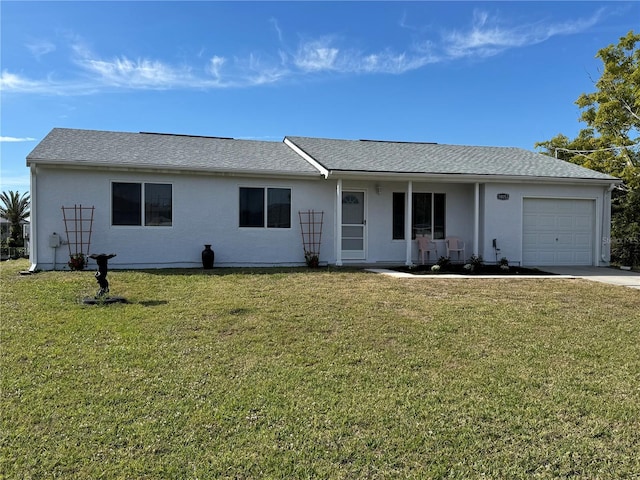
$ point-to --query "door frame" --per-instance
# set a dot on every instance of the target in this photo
(338, 221)
(354, 254)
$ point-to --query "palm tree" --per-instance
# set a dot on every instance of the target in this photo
(15, 209)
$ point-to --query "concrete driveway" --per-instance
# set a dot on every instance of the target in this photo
(613, 276)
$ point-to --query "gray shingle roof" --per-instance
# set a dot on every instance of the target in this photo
(429, 158)
(192, 153)
(117, 149)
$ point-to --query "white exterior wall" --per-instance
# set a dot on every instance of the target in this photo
(503, 219)
(205, 210)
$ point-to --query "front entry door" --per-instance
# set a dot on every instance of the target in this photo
(353, 225)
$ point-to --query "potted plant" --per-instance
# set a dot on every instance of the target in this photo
(77, 261)
(312, 259)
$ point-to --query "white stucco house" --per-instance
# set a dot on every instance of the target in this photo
(155, 199)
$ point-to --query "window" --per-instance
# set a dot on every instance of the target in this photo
(428, 215)
(128, 199)
(157, 204)
(253, 213)
(398, 215)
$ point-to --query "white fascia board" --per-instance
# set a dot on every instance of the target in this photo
(465, 178)
(323, 171)
(173, 170)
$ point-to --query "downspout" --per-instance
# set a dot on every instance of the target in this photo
(339, 223)
(605, 253)
(408, 221)
(33, 230)
(476, 218)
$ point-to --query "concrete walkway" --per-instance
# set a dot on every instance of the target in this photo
(612, 276)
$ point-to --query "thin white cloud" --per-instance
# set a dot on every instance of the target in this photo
(215, 65)
(316, 55)
(276, 27)
(11, 82)
(17, 139)
(18, 183)
(127, 73)
(486, 36)
(40, 48)
(143, 73)
(324, 55)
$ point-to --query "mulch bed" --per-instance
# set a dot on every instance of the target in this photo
(460, 270)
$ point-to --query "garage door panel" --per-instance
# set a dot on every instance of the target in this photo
(583, 241)
(546, 222)
(565, 223)
(545, 258)
(582, 258)
(558, 231)
(583, 223)
(560, 208)
(565, 240)
(564, 258)
(546, 240)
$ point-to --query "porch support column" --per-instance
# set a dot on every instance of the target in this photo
(33, 232)
(408, 209)
(476, 218)
(339, 223)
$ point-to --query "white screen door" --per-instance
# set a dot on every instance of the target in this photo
(353, 225)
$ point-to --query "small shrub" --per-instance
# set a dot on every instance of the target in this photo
(476, 260)
(444, 263)
(77, 261)
(474, 263)
(312, 259)
(504, 264)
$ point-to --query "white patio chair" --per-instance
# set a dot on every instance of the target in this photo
(426, 245)
(455, 244)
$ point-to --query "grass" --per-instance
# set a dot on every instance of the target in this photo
(317, 374)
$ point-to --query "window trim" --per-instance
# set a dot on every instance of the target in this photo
(143, 213)
(265, 206)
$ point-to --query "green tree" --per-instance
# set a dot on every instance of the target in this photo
(15, 209)
(610, 143)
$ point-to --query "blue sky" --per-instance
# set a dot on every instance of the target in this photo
(473, 73)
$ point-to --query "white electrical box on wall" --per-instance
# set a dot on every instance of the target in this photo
(54, 240)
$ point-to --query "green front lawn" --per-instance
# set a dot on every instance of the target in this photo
(317, 374)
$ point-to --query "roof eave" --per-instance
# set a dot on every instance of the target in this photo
(469, 178)
(170, 169)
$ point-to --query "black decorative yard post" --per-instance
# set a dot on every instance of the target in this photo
(101, 275)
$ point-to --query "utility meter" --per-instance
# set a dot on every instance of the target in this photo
(54, 240)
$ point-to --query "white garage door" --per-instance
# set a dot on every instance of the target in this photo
(557, 231)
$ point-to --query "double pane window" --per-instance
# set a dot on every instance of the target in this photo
(265, 207)
(131, 202)
(427, 211)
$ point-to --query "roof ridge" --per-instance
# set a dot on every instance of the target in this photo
(187, 135)
(397, 141)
